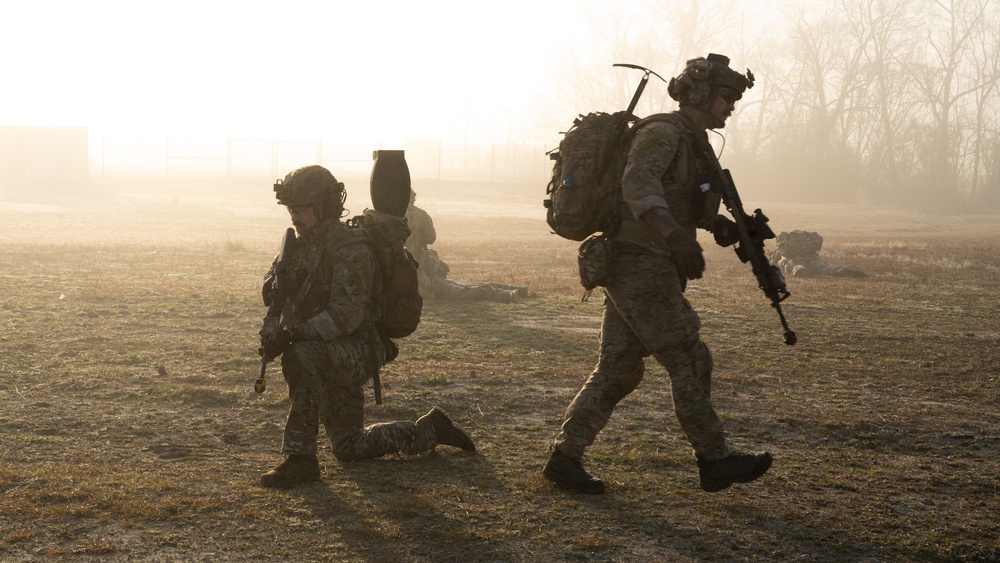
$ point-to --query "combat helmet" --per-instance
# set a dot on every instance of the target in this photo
(702, 77)
(311, 185)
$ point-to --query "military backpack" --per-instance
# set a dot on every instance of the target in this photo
(584, 196)
(396, 292)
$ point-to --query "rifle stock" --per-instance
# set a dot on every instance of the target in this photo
(277, 300)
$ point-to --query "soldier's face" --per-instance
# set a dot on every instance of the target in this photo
(722, 107)
(303, 218)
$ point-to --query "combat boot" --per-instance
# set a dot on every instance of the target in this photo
(294, 470)
(568, 472)
(737, 468)
(447, 432)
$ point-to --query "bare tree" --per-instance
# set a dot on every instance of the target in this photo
(947, 80)
(885, 98)
(685, 29)
(668, 33)
(815, 77)
(884, 30)
(986, 62)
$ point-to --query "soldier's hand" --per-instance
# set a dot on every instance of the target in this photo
(275, 345)
(270, 328)
(687, 254)
(725, 231)
(303, 331)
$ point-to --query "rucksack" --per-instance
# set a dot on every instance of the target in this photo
(585, 193)
(396, 293)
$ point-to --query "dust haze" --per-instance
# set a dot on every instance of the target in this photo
(139, 143)
(131, 432)
(880, 102)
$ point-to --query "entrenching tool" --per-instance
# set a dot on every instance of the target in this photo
(641, 87)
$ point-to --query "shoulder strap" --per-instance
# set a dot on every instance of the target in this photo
(700, 142)
(655, 118)
(352, 235)
(339, 240)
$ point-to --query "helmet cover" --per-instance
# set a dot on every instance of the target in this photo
(702, 77)
(309, 185)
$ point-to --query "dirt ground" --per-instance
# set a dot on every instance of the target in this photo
(129, 429)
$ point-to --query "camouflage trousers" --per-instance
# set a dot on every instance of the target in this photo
(645, 313)
(443, 288)
(811, 266)
(326, 384)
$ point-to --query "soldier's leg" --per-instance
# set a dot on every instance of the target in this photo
(342, 405)
(619, 371)
(302, 369)
(516, 290)
(301, 366)
(652, 304)
(351, 441)
(452, 290)
(689, 365)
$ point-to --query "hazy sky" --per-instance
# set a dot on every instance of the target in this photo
(300, 70)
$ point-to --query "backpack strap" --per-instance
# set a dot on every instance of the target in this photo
(655, 118)
(351, 236)
(339, 240)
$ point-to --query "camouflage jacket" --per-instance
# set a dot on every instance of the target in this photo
(422, 232)
(422, 235)
(664, 170)
(331, 289)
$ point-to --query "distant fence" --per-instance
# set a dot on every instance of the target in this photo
(253, 158)
(42, 155)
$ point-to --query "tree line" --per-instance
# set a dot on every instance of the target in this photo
(856, 101)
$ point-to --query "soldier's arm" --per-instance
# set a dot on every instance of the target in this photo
(351, 282)
(661, 221)
(650, 156)
(426, 226)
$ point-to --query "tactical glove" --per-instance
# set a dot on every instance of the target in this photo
(273, 346)
(304, 331)
(687, 254)
(725, 231)
(270, 327)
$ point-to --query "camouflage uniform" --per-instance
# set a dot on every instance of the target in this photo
(433, 272)
(798, 256)
(329, 336)
(645, 312)
(667, 194)
(326, 376)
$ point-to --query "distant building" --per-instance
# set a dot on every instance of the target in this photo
(34, 157)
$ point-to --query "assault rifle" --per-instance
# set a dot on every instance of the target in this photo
(278, 286)
(753, 231)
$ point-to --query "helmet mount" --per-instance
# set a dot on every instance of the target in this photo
(703, 77)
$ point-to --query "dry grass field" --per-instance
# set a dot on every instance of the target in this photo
(129, 429)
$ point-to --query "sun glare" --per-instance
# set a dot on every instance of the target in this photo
(310, 69)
